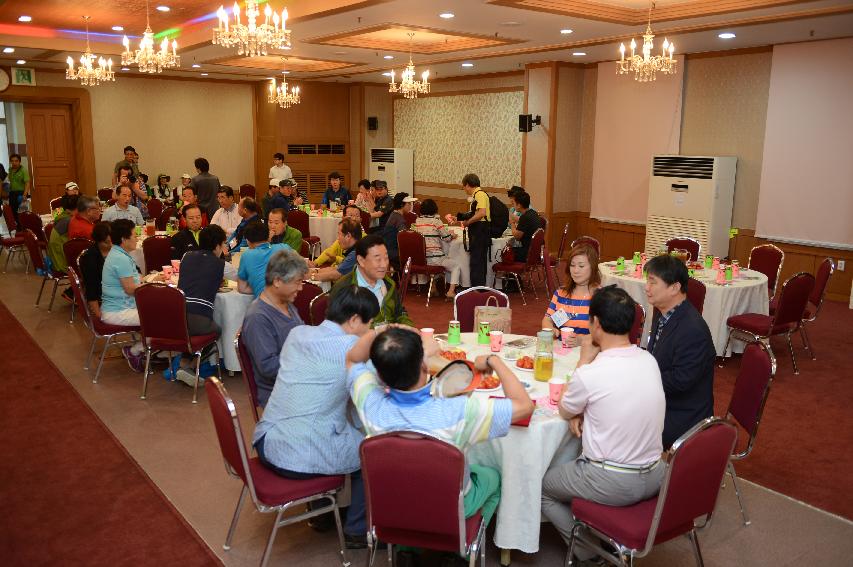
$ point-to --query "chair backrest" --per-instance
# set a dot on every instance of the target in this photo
(404, 281)
(48, 228)
(229, 432)
(465, 302)
(162, 313)
(697, 463)
(752, 386)
(163, 220)
(9, 217)
(31, 221)
(550, 275)
(696, 294)
(411, 244)
(588, 240)
(537, 241)
(410, 218)
(33, 248)
(693, 247)
(305, 249)
(155, 209)
(793, 299)
(247, 190)
(105, 194)
(74, 247)
(767, 259)
(55, 203)
(543, 221)
(317, 308)
(416, 208)
(79, 297)
(636, 334)
(299, 220)
(303, 299)
(157, 251)
(365, 221)
(398, 469)
(824, 272)
(176, 193)
(248, 372)
(563, 240)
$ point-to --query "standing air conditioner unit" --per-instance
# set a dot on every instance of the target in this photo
(691, 196)
(395, 166)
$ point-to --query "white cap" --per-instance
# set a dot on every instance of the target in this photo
(409, 199)
(71, 185)
(186, 176)
(275, 181)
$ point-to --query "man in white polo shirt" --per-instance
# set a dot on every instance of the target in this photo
(615, 399)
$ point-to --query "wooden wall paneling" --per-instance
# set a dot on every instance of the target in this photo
(266, 142)
(555, 230)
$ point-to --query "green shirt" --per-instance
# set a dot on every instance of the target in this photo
(18, 179)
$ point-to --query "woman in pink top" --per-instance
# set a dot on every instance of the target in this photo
(435, 233)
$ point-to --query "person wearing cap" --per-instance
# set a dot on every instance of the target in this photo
(402, 204)
(71, 188)
(290, 193)
(274, 199)
(279, 170)
(336, 192)
(383, 205)
(161, 189)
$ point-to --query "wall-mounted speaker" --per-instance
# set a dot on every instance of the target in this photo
(372, 123)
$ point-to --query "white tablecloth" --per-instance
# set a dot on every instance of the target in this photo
(523, 456)
(456, 251)
(747, 294)
(229, 309)
(324, 227)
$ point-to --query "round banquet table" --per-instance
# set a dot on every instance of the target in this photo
(524, 455)
(747, 294)
(456, 251)
(324, 227)
(229, 309)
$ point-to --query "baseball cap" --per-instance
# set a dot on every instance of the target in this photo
(379, 183)
(409, 199)
(287, 182)
(186, 176)
(71, 185)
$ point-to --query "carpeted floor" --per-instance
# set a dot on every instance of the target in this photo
(800, 448)
(70, 493)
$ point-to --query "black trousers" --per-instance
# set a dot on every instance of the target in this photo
(479, 242)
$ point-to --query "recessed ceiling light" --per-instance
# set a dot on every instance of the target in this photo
(386, 74)
(565, 31)
(467, 64)
(270, 78)
(163, 8)
(204, 74)
(727, 35)
(388, 57)
(125, 68)
(25, 18)
(21, 62)
(196, 66)
(340, 52)
(446, 15)
(118, 28)
(285, 72)
(8, 50)
(579, 53)
(287, 48)
(511, 24)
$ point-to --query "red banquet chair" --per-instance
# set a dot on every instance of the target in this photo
(248, 372)
(588, 240)
(816, 297)
(697, 463)
(317, 308)
(365, 221)
(270, 493)
(40, 266)
(299, 220)
(465, 302)
(404, 280)
(787, 319)
(55, 203)
(157, 251)
(556, 258)
(12, 244)
(247, 190)
(163, 220)
(636, 333)
(99, 329)
(155, 209)
(551, 281)
(412, 245)
(163, 320)
(30, 221)
(410, 218)
(304, 298)
(72, 250)
(746, 406)
(696, 294)
(105, 194)
(691, 245)
(767, 259)
(398, 470)
(519, 269)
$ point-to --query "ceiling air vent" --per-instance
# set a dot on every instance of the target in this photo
(684, 167)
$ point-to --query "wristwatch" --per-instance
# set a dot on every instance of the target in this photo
(489, 361)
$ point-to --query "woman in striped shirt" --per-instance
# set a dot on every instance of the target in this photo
(434, 232)
(572, 301)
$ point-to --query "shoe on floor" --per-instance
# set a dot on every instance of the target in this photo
(355, 541)
(323, 523)
(135, 361)
(188, 378)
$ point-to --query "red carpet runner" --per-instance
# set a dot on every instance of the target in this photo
(70, 493)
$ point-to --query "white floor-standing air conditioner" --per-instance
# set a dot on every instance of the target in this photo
(691, 196)
(395, 166)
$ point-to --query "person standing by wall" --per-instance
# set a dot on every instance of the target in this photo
(206, 187)
(19, 184)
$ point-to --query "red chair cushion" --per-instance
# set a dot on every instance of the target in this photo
(514, 267)
(273, 489)
(106, 329)
(629, 525)
(13, 241)
(197, 342)
(431, 541)
(751, 322)
(428, 270)
(312, 239)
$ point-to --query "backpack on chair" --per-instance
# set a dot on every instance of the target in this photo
(499, 214)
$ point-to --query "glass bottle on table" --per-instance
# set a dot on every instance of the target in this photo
(543, 362)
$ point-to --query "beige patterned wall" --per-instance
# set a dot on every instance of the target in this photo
(457, 134)
(725, 109)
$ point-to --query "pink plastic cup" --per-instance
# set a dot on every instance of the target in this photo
(176, 265)
(555, 388)
(168, 271)
(565, 335)
(721, 276)
(496, 340)
(427, 333)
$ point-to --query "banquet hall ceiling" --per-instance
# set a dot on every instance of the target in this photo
(358, 40)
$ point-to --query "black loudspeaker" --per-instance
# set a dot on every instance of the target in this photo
(372, 123)
(526, 122)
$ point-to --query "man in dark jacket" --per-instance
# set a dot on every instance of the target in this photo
(206, 186)
(681, 343)
(186, 239)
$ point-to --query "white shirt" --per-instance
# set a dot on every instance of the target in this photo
(621, 397)
(280, 172)
(228, 219)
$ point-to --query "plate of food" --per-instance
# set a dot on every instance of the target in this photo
(455, 354)
(489, 383)
(511, 354)
(525, 364)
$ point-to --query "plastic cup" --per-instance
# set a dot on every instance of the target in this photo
(427, 333)
(565, 335)
(169, 271)
(496, 341)
(176, 265)
(555, 388)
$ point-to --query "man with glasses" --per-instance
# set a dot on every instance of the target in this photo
(88, 213)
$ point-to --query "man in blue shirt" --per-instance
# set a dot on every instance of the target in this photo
(248, 210)
(336, 192)
(253, 262)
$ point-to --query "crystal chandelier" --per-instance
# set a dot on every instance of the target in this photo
(87, 73)
(409, 87)
(252, 38)
(150, 61)
(279, 95)
(645, 66)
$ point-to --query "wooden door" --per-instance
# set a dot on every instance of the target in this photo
(50, 149)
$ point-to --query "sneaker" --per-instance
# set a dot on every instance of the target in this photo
(135, 361)
(170, 374)
(188, 378)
